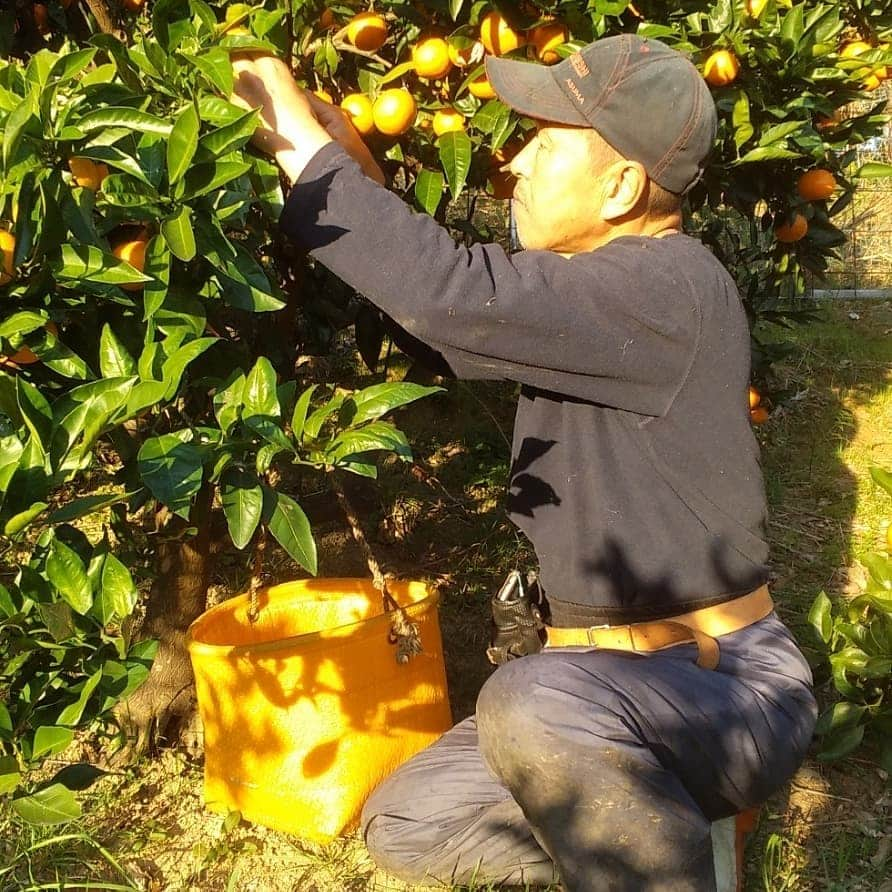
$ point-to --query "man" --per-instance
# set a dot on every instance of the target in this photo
(670, 695)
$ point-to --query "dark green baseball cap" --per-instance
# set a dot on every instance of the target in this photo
(645, 99)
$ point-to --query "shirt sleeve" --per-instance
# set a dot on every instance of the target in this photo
(610, 326)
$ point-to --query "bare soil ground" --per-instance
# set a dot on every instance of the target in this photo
(145, 827)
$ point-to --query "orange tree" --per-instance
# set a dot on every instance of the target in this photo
(151, 320)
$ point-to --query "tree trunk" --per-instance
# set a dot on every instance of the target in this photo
(164, 707)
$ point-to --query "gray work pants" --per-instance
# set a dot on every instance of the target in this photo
(599, 768)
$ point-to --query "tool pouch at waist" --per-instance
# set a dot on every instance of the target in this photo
(518, 629)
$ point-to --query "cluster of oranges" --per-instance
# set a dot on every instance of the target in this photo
(433, 57)
(758, 412)
(817, 184)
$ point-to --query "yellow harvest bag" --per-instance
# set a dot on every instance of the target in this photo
(306, 709)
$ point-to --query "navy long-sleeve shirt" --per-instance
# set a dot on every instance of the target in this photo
(635, 472)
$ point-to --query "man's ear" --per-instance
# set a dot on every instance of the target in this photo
(625, 183)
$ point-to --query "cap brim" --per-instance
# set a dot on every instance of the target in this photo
(532, 90)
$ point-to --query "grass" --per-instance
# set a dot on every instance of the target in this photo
(145, 827)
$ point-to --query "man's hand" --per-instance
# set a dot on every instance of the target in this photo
(295, 125)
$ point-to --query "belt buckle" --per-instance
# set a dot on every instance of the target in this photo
(591, 629)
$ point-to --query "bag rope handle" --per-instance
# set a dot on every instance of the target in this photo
(403, 632)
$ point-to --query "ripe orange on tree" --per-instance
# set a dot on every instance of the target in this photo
(498, 36)
(870, 78)
(816, 185)
(359, 107)
(447, 120)
(759, 415)
(546, 38)
(394, 111)
(25, 355)
(754, 397)
(324, 95)
(87, 173)
(792, 231)
(133, 5)
(132, 251)
(482, 88)
(7, 246)
(431, 58)
(721, 68)
(367, 31)
(41, 15)
(327, 19)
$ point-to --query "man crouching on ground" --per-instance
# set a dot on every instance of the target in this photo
(669, 694)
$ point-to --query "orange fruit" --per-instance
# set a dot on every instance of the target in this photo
(816, 185)
(25, 355)
(327, 19)
(324, 95)
(7, 246)
(133, 252)
(448, 119)
(546, 38)
(431, 58)
(359, 107)
(721, 68)
(498, 36)
(394, 111)
(367, 31)
(754, 397)
(759, 415)
(482, 88)
(41, 17)
(133, 5)
(463, 57)
(87, 173)
(792, 231)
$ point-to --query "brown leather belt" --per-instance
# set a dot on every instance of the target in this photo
(701, 627)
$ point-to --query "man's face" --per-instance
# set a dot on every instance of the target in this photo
(559, 179)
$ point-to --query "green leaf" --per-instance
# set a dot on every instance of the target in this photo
(245, 285)
(840, 744)
(130, 118)
(23, 519)
(242, 498)
(260, 397)
(377, 436)
(51, 739)
(66, 571)
(172, 470)
(873, 170)
(880, 568)
(36, 412)
(85, 263)
(10, 777)
(228, 402)
(841, 715)
(290, 526)
(372, 402)
(313, 424)
(177, 231)
(203, 178)
(767, 153)
(114, 360)
(429, 189)
(15, 125)
(73, 713)
(52, 805)
(792, 26)
(182, 143)
(820, 617)
(216, 66)
(21, 323)
(455, 150)
(174, 366)
(118, 594)
(158, 267)
(230, 136)
(298, 419)
(80, 776)
(882, 477)
(117, 158)
(86, 505)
